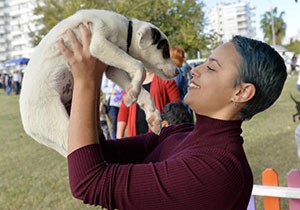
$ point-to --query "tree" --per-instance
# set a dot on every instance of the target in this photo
(181, 20)
(53, 11)
(279, 26)
(293, 46)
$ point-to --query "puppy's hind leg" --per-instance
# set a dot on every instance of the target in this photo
(47, 123)
(144, 100)
(153, 118)
(59, 125)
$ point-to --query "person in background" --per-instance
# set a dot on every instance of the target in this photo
(298, 82)
(297, 138)
(7, 83)
(294, 66)
(175, 113)
(17, 79)
(184, 72)
(184, 69)
(1, 80)
(133, 118)
(294, 61)
(103, 120)
(195, 167)
(112, 102)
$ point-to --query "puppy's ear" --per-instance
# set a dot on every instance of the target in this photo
(148, 36)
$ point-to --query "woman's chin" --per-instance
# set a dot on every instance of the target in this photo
(187, 99)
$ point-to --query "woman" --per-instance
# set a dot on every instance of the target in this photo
(133, 118)
(185, 167)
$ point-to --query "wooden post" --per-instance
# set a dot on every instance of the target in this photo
(293, 180)
(270, 178)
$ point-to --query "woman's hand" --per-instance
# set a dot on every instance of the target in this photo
(84, 67)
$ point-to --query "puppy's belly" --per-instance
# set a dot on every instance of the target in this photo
(65, 88)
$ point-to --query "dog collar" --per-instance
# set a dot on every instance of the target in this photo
(129, 35)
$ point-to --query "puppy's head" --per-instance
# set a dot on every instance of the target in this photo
(151, 46)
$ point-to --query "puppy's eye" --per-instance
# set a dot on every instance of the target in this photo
(155, 35)
(166, 53)
(164, 45)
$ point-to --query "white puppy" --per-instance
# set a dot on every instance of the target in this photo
(127, 46)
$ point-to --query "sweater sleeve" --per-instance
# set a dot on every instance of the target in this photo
(130, 149)
(90, 166)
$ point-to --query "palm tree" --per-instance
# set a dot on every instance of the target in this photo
(279, 26)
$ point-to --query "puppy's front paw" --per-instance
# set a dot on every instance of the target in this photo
(154, 122)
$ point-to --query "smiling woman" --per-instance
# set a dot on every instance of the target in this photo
(247, 95)
(215, 94)
(186, 166)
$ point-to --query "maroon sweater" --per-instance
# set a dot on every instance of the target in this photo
(185, 167)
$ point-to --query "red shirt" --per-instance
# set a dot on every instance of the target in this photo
(162, 92)
(201, 167)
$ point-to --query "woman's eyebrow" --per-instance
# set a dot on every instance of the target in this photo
(215, 60)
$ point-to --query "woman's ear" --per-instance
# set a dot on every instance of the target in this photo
(245, 93)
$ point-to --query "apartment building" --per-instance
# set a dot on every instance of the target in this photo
(229, 19)
(16, 22)
(3, 44)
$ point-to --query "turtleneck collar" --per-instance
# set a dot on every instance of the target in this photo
(205, 124)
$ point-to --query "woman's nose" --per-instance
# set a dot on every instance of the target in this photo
(196, 72)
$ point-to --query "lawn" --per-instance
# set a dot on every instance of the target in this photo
(32, 177)
(35, 177)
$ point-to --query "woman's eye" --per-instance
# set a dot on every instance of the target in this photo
(209, 68)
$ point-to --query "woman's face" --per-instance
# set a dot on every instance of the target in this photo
(212, 86)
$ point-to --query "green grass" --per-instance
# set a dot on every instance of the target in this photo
(32, 177)
(35, 177)
(270, 138)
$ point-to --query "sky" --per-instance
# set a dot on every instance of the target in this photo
(290, 7)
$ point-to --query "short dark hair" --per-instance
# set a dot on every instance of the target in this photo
(176, 113)
(263, 67)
